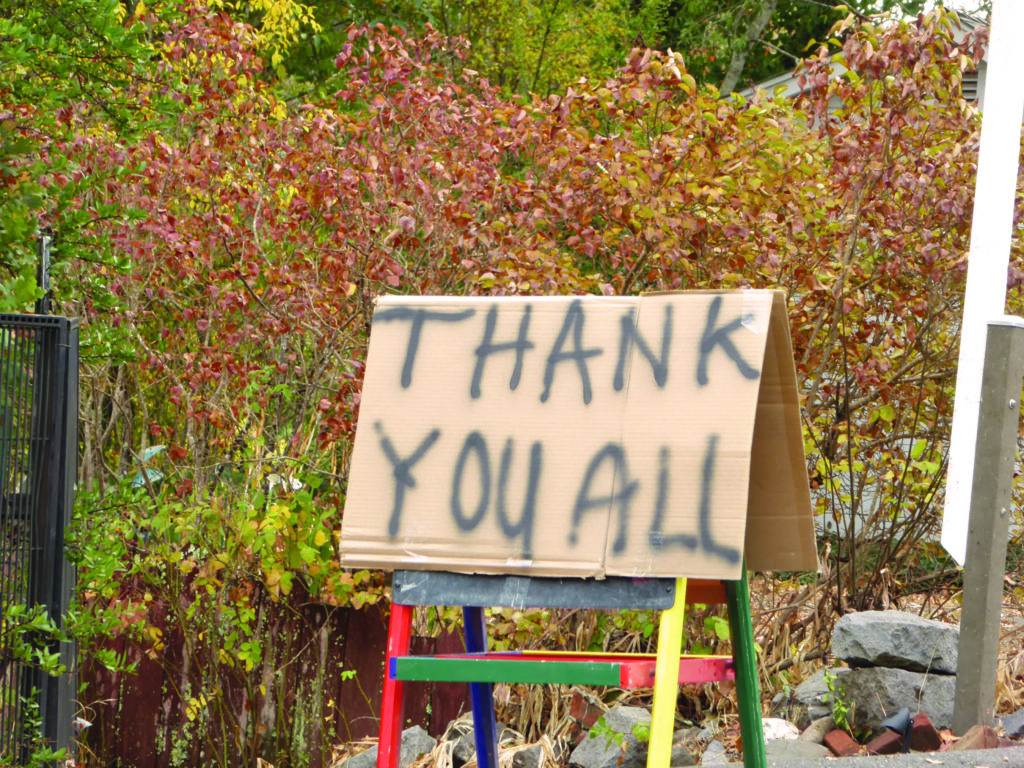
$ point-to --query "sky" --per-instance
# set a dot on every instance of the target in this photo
(959, 5)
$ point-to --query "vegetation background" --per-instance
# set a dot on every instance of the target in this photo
(230, 184)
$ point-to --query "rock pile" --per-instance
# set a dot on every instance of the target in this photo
(896, 660)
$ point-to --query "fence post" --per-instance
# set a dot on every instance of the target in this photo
(43, 271)
(984, 568)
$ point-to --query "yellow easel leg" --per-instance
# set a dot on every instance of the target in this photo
(666, 680)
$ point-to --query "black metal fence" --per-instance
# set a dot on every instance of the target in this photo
(38, 448)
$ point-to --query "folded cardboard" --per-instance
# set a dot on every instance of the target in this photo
(580, 436)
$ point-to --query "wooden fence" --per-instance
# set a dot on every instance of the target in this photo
(137, 720)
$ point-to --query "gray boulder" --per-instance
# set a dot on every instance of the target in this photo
(876, 693)
(415, 742)
(779, 705)
(617, 742)
(896, 639)
(627, 719)
(367, 759)
(603, 751)
(812, 699)
(531, 757)
(1014, 724)
(614, 744)
(778, 729)
(681, 756)
(465, 745)
(715, 754)
(687, 741)
(783, 752)
(816, 731)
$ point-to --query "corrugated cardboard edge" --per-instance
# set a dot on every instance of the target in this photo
(780, 525)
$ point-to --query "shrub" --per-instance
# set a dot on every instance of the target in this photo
(243, 243)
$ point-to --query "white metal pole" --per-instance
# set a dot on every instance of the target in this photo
(991, 229)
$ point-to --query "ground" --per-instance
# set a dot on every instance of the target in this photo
(989, 758)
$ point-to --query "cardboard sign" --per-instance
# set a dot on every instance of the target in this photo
(580, 436)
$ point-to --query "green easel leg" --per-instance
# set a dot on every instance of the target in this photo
(748, 692)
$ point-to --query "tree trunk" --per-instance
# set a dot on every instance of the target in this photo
(739, 57)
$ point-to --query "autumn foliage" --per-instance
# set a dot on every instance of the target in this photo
(245, 240)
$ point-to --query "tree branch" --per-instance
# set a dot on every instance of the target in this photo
(739, 56)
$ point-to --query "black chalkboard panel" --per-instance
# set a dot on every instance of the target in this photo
(613, 593)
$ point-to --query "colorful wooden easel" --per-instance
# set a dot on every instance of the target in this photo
(663, 672)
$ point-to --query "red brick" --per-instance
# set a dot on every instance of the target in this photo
(977, 737)
(841, 743)
(584, 711)
(923, 736)
(886, 743)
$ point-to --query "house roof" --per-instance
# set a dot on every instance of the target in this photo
(973, 85)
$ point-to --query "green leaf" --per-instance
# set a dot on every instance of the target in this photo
(717, 625)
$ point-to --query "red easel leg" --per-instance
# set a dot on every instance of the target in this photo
(399, 632)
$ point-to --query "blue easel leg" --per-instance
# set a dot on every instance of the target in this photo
(481, 695)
